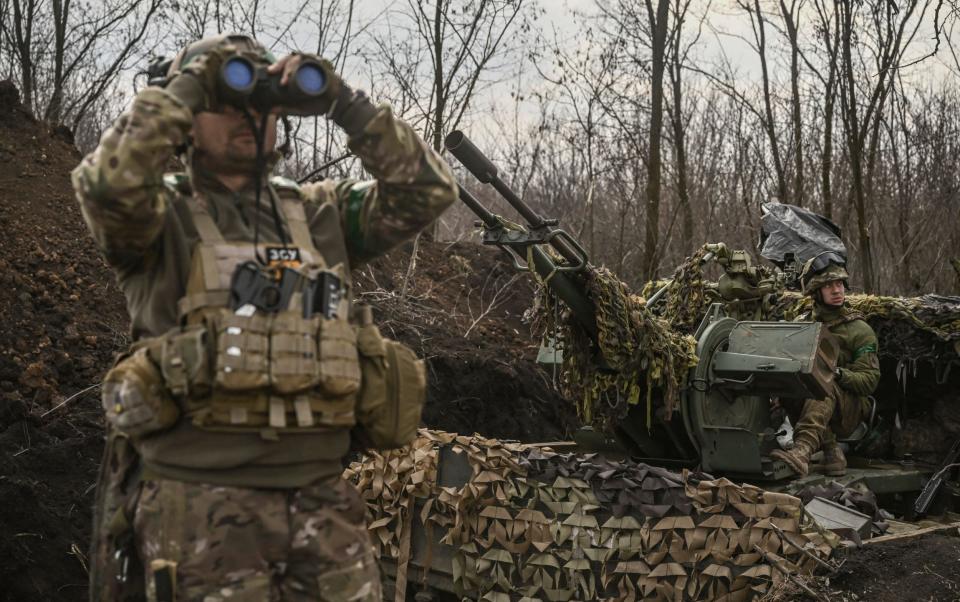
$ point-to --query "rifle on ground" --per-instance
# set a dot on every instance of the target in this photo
(926, 497)
(563, 271)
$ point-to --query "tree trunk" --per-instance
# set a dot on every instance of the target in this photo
(791, 25)
(432, 233)
(855, 140)
(23, 34)
(658, 29)
(679, 142)
(826, 165)
(61, 14)
(770, 123)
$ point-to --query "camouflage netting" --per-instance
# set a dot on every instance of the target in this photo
(642, 352)
(908, 328)
(532, 524)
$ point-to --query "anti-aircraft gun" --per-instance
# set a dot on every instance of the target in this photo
(723, 419)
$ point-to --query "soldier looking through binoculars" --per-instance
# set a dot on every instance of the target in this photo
(252, 370)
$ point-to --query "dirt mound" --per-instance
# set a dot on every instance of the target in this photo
(463, 313)
(920, 568)
(62, 319)
(923, 568)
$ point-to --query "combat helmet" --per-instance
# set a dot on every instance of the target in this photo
(244, 43)
(823, 269)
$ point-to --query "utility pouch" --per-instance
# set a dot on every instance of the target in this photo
(135, 399)
(339, 365)
(391, 398)
(293, 353)
(185, 362)
(242, 351)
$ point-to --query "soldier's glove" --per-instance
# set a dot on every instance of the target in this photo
(346, 107)
(197, 83)
(323, 102)
(188, 90)
(352, 111)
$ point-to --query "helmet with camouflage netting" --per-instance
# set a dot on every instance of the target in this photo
(821, 270)
(246, 45)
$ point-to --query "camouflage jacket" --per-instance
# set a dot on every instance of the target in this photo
(147, 234)
(859, 364)
(145, 228)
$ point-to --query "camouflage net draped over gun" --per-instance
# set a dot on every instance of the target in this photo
(641, 352)
(528, 523)
(908, 328)
(686, 295)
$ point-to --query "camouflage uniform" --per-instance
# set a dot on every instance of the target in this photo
(819, 421)
(230, 515)
(303, 544)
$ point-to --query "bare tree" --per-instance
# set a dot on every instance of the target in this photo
(70, 56)
(758, 22)
(451, 48)
(828, 34)
(865, 85)
(679, 57)
(448, 47)
(20, 34)
(644, 33)
(583, 76)
(659, 26)
(791, 20)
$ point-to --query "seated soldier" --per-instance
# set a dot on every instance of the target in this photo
(820, 421)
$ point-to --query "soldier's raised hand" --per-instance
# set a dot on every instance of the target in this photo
(299, 65)
(197, 82)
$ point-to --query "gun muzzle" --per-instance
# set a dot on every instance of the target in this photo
(472, 157)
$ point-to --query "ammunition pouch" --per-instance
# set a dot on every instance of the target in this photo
(235, 372)
(242, 351)
(339, 362)
(391, 398)
(269, 371)
(186, 363)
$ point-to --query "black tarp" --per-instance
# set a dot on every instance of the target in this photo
(786, 229)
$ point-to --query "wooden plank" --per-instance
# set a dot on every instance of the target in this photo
(915, 533)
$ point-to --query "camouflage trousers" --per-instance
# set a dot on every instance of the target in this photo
(207, 543)
(819, 421)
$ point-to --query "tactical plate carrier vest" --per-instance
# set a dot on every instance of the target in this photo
(310, 365)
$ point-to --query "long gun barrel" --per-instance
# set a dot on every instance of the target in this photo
(565, 279)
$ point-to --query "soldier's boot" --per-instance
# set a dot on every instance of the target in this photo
(797, 457)
(834, 462)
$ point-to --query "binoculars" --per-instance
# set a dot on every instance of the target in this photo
(241, 82)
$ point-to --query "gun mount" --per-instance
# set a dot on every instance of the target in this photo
(723, 424)
(562, 270)
(721, 418)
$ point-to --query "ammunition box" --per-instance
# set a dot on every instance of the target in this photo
(786, 359)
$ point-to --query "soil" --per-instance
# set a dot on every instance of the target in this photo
(487, 381)
(921, 568)
(62, 320)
